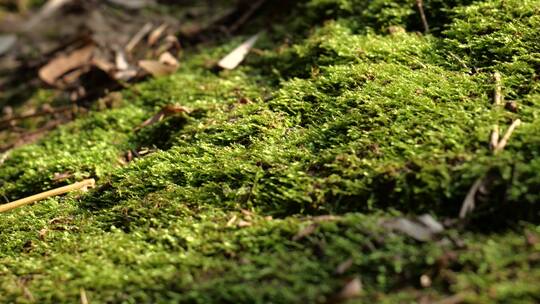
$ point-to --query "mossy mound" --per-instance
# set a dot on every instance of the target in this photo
(350, 119)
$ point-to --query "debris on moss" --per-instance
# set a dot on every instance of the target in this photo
(350, 120)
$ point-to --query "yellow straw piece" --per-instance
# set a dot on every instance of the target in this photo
(88, 183)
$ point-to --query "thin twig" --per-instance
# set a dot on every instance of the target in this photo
(245, 17)
(420, 5)
(88, 183)
(506, 137)
(497, 94)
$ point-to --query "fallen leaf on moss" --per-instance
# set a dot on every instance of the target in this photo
(64, 64)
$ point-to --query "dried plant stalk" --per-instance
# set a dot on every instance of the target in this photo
(497, 94)
(88, 183)
(506, 137)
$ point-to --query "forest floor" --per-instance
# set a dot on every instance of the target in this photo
(354, 156)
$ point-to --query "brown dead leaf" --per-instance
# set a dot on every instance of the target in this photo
(63, 64)
(156, 68)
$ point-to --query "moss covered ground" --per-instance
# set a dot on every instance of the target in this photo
(345, 110)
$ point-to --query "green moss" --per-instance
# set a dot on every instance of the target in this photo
(345, 121)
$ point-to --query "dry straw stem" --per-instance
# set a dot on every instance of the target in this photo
(88, 183)
(497, 94)
(494, 142)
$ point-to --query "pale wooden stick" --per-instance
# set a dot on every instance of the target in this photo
(420, 4)
(506, 137)
(88, 183)
(497, 94)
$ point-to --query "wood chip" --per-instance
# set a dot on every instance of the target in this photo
(234, 58)
(63, 64)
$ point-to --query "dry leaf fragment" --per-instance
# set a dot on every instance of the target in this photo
(63, 64)
(168, 59)
(6, 43)
(166, 111)
(156, 68)
(234, 58)
(352, 289)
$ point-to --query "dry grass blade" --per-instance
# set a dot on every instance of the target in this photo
(351, 290)
(89, 183)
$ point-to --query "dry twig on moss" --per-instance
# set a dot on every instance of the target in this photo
(88, 183)
(504, 141)
(497, 94)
